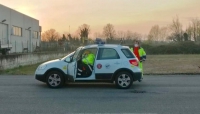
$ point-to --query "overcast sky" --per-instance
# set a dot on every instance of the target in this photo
(134, 15)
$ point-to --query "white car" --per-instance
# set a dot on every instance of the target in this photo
(113, 63)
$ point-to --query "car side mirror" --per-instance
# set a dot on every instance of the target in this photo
(68, 59)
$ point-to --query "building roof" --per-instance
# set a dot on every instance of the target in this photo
(17, 11)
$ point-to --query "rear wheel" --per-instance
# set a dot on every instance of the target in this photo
(55, 79)
(123, 80)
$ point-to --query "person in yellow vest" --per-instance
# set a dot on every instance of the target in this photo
(88, 62)
(88, 58)
(139, 53)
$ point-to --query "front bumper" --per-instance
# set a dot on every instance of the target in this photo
(40, 78)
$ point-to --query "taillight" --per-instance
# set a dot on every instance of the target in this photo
(133, 62)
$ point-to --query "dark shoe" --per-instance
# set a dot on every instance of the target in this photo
(140, 79)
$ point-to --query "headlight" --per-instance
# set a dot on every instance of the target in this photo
(41, 67)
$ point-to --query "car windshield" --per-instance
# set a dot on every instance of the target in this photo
(69, 55)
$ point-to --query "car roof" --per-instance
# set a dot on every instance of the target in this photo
(105, 45)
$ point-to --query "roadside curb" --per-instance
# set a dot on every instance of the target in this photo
(172, 74)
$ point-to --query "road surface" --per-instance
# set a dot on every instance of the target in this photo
(155, 95)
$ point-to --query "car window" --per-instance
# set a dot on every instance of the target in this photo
(76, 54)
(128, 53)
(92, 50)
(107, 53)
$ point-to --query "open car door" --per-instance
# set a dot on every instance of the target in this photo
(72, 66)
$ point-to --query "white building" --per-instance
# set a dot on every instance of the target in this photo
(18, 30)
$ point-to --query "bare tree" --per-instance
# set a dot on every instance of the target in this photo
(194, 29)
(62, 40)
(136, 36)
(154, 33)
(129, 35)
(84, 31)
(50, 35)
(163, 33)
(121, 34)
(189, 32)
(133, 36)
(176, 30)
(176, 26)
(109, 32)
(158, 33)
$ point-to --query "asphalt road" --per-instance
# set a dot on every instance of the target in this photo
(156, 94)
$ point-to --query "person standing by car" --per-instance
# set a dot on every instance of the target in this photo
(140, 54)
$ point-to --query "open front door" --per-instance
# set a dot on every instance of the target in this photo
(72, 66)
(71, 69)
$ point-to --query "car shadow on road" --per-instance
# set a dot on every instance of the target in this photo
(90, 86)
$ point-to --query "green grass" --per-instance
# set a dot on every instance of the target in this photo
(155, 64)
(21, 70)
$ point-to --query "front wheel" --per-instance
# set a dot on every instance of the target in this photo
(55, 79)
(124, 80)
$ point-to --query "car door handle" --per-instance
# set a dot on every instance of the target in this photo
(117, 63)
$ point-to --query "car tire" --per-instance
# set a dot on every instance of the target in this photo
(55, 79)
(123, 80)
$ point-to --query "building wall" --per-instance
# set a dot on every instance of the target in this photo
(29, 26)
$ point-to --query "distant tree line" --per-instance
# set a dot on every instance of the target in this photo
(82, 35)
(175, 32)
(171, 39)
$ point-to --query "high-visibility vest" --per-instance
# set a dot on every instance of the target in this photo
(142, 53)
(89, 59)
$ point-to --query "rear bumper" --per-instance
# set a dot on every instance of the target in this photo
(137, 76)
(40, 77)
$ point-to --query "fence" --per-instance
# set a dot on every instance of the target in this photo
(66, 46)
(19, 47)
(55, 46)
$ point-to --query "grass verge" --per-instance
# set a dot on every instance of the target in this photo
(21, 70)
(172, 64)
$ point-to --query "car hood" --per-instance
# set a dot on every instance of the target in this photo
(52, 61)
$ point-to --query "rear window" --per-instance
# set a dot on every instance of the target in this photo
(107, 53)
(128, 53)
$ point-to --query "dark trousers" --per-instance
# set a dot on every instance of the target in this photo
(85, 70)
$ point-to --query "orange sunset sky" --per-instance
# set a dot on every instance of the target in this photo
(134, 15)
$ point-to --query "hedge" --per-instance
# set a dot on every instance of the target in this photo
(172, 48)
